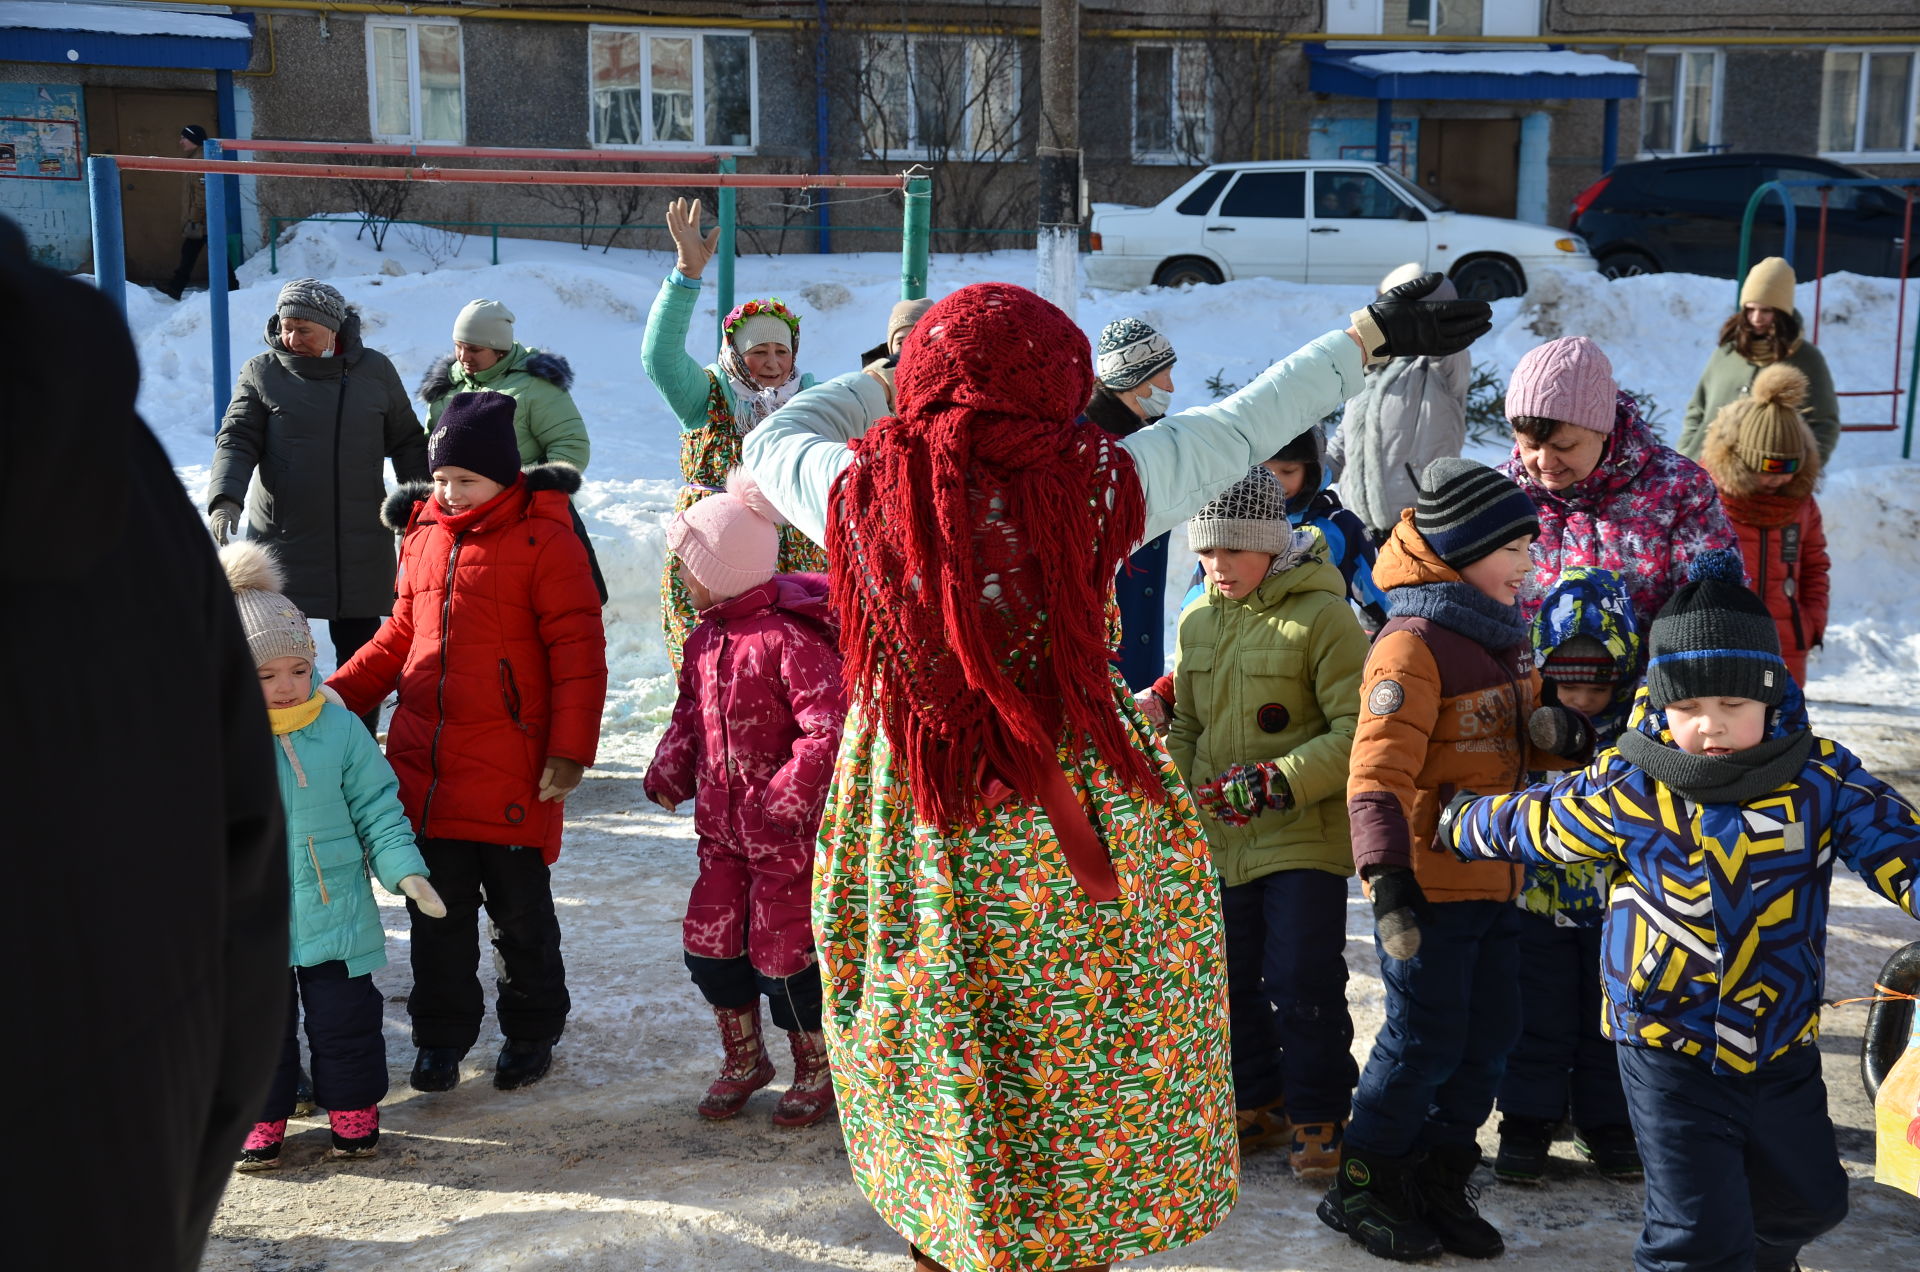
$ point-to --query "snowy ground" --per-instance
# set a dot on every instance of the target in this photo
(604, 1165)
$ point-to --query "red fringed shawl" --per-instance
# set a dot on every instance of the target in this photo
(973, 542)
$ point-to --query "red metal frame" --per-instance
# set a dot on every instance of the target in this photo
(517, 176)
(1900, 314)
(465, 152)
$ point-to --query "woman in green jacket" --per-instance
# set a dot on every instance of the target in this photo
(486, 356)
(1266, 699)
(1765, 331)
(720, 403)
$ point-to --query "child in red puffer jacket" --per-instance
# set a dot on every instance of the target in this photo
(753, 741)
(1765, 462)
(496, 647)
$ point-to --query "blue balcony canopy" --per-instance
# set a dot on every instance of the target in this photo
(118, 35)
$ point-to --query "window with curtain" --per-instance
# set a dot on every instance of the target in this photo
(1172, 116)
(1679, 102)
(940, 96)
(1869, 102)
(415, 83)
(691, 89)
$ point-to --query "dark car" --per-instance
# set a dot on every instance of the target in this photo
(1683, 214)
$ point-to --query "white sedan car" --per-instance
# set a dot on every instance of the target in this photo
(1317, 221)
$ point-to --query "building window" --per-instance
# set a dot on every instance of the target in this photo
(414, 87)
(939, 97)
(1433, 17)
(1867, 103)
(1172, 121)
(668, 89)
(1680, 102)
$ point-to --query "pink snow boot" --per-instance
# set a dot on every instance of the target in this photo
(355, 1131)
(261, 1151)
(810, 1099)
(747, 1066)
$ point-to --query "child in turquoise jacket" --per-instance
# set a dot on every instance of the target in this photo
(344, 821)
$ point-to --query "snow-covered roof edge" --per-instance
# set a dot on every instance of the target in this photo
(115, 19)
(1490, 62)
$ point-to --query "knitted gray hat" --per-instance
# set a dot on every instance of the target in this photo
(1714, 639)
(487, 324)
(1130, 353)
(1250, 516)
(274, 625)
(313, 300)
(1466, 510)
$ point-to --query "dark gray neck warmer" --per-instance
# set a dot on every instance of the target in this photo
(1719, 779)
(1463, 608)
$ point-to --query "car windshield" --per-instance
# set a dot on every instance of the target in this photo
(1430, 202)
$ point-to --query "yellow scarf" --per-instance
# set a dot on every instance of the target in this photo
(287, 719)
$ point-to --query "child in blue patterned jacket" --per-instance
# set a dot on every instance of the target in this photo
(1724, 812)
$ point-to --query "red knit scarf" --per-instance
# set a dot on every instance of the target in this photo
(973, 542)
(1767, 511)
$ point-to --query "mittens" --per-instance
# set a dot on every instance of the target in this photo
(1399, 910)
(1559, 730)
(222, 519)
(1156, 703)
(1243, 792)
(1401, 324)
(421, 893)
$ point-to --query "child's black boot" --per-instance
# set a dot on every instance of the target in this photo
(1525, 1145)
(1613, 1150)
(1444, 1181)
(437, 1068)
(523, 1062)
(1374, 1201)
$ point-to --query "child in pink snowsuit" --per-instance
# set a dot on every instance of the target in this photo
(753, 741)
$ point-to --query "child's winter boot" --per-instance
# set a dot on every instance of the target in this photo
(523, 1062)
(1314, 1150)
(1614, 1152)
(1525, 1145)
(1443, 1180)
(1373, 1200)
(747, 1067)
(355, 1131)
(810, 1099)
(1262, 1126)
(261, 1151)
(303, 1105)
(437, 1068)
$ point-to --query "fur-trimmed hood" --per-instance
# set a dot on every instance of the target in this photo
(397, 513)
(551, 367)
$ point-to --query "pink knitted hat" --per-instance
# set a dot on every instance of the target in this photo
(730, 541)
(1568, 379)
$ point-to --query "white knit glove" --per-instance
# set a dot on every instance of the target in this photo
(422, 894)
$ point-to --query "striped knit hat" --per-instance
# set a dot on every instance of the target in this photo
(1714, 639)
(1249, 516)
(1466, 510)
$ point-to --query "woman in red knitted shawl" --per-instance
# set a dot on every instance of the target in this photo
(1016, 914)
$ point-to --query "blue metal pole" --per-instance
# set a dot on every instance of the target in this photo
(1383, 130)
(1610, 137)
(109, 236)
(217, 286)
(820, 205)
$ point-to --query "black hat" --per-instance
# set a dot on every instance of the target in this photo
(1714, 639)
(1467, 510)
(476, 433)
(193, 133)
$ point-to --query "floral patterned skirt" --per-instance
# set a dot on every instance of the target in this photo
(1027, 1079)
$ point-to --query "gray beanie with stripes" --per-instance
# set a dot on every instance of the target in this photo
(1466, 510)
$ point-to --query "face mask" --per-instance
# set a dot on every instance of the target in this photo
(1156, 402)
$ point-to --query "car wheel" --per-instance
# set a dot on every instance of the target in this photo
(1488, 278)
(1186, 271)
(1628, 264)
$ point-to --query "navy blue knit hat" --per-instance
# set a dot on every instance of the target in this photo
(476, 433)
(1714, 639)
(1466, 510)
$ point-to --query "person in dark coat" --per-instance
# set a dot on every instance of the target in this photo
(153, 956)
(314, 420)
(193, 217)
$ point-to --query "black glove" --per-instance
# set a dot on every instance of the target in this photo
(1399, 908)
(1559, 730)
(1400, 324)
(1450, 816)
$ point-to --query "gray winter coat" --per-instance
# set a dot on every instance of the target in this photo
(1409, 411)
(316, 433)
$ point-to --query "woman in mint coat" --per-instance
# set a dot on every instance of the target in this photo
(720, 403)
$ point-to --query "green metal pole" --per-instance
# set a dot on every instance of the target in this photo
(496, 245)
(273, 245)
(914, 234)
(726, 198)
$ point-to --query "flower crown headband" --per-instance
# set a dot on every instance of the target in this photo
(771, 307)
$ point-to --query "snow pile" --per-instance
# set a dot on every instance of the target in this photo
(591, 308)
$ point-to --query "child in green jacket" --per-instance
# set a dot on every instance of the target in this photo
(1266, 695)
(344, 821)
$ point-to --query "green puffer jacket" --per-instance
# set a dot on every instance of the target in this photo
(1293, 645)
(1728, 377)
(344, 821)
(546, 423)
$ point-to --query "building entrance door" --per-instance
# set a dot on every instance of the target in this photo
(1474, 164)
(147, 121)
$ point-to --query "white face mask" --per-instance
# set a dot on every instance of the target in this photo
(1156, 402)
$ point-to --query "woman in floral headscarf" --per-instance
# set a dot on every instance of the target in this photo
(720, 403)
(1017, 918)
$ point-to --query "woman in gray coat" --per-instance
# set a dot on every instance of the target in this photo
(1410, 412)
(312, 424)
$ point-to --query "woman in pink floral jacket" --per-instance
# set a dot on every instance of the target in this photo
(753, 741)
(1609, 492)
